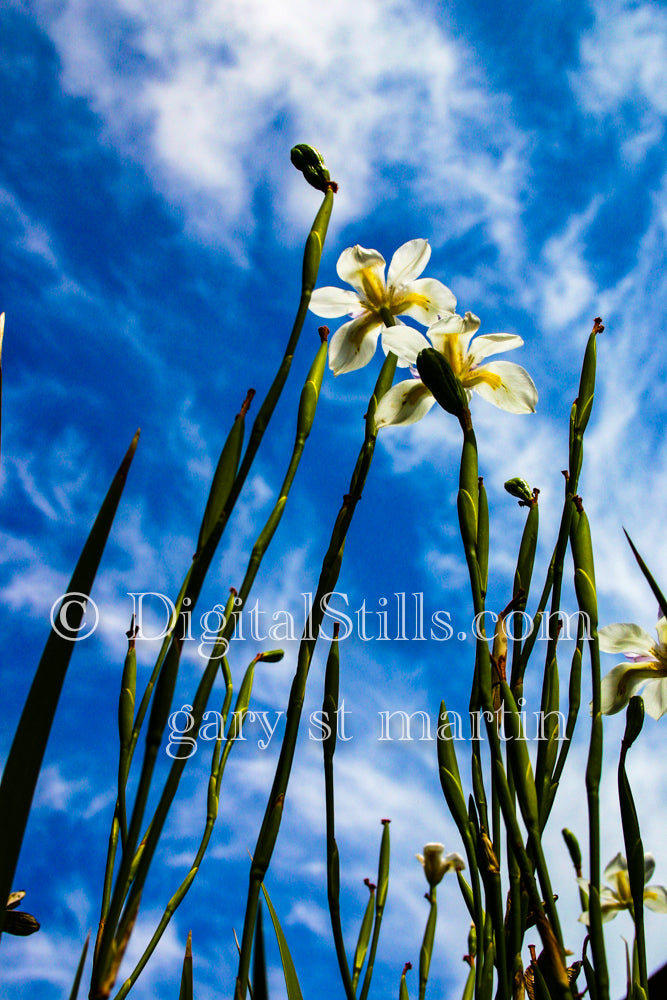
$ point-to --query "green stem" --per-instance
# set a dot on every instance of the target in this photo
(328, 576)
(380, 900)
(329, 713)
(427, 944)
(164, 677)
(306, 414)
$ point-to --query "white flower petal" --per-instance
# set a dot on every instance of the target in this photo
(408, 262)
(661, 629)
(353, 344)
(625, 638)
(493, 343)
(619, 685)
(404, 342)
(655, 897)
(400, 362)
(610, 911)
(330, 301)
(455, 861)
(405, 403)
(356, 259)
(517, 394)
(425, 300)
(468, 324)
(616, 865)
(462, 327)
(655, 698)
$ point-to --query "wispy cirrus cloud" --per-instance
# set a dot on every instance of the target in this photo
(621, 74)
(204, 94)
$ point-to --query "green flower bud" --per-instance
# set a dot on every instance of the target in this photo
(437, 375)
(271, 656)
(572, 845)
(520, 489)
(634, 721)
(311, 163)
(472, 941)
(19, 923)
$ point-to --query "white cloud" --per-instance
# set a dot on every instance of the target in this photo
(54, 791)
(209, 94)
(166, 961)
(565, 289)
(55, 483)
(621, 73)
(31, 585)
(309, 915)
(623, 57)
(41, 958)
(33, 238)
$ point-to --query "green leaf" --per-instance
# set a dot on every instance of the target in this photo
(659, 596)
(364, 937)
(32, 734)
(186, 992)
(289, 972)
(79, 970)
(223, 480)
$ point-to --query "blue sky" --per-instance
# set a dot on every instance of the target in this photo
(151, 245)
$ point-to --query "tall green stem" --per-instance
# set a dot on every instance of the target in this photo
(328, 576)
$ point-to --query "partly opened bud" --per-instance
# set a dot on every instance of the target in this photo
(520, 489)
(311, 163)
(436, 866)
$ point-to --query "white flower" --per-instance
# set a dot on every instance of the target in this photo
(620, 897)
(500, 382)
(648, 667)
(435, 866)
(353, 344)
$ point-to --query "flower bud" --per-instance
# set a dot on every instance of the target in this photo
(472, 941)
(19, 923)
(271, 656)
(572, 845)
(634, 720)
(438, 376)
(311, 163)
(520, 489)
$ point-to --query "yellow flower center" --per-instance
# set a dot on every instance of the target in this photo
(482, 375)
(623, 888)
(400, 301)
(660, 653)
(453, 353)
(374, 288)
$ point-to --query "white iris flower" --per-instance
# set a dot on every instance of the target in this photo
(648, 667)
(612, 900)
(403, 293)
(436, 866)
(502, 383)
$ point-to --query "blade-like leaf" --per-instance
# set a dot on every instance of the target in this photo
(79, 970)
(32, 734)
(291, 981)
(186, 992)
(659, 596)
